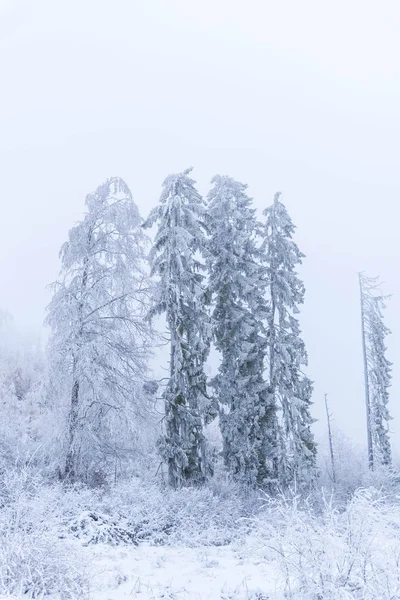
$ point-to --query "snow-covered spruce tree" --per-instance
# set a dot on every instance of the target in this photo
(286, 354)
(181, 296)
(237, 285)
(100, 338)
(378, 371)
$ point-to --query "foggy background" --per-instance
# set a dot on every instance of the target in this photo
(298, 97)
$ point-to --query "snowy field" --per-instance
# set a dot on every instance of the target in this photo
(149, 573)
(138, 541)
(203, 573)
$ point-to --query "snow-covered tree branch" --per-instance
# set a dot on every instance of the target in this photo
(100, 338)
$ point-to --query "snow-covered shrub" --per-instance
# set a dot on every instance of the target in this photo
(339, 555)
(34, 559)
(34, 565)
(136, 510)
(352, 472)
(188, 517)
(101, 528)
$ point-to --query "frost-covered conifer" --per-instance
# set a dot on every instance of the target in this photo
(237, 286)
(180, 296)
(100, 337)
(378, 371)
(286, 354)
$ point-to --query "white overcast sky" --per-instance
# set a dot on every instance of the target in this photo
(297, 96)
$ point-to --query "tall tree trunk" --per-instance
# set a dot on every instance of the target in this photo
(70, 471)
(170, 411)
(328, 417)
(272, 382)
(367, 396)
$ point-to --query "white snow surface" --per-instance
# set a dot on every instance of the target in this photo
(204, 573)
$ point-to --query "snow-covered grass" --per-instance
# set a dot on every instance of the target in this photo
(137, 539)
(160, 516)
(351, 466)
(34, 558)
(202, 573)
(334, 554)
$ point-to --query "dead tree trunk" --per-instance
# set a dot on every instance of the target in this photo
(367, 395)
(328, 417)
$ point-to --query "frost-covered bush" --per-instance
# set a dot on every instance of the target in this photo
(34, 559)
(34, 565)
(189, 517)
(128, 513)
(339, 555)
(98, 528)
(137, 510)
(352, 472)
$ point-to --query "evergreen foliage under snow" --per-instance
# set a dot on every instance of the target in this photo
(237, 286)
(379, 368)
(181, 296)
(286, 354)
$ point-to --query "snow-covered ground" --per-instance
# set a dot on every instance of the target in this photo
(139, 541)
(205, 573)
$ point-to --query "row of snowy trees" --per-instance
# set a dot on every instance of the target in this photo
(218, 276)
(225, 277)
